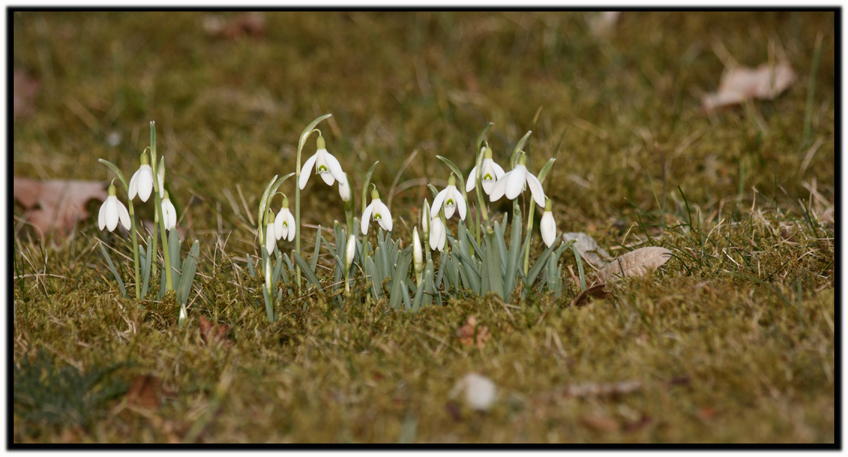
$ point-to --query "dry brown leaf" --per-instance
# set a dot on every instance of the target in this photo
(471, 333)
(211, 333)
(56, 203)
(600, 423)
(596, 291)
(24, 92)
(250, 24)
(588, 249)
(635, 263)
(741, 83)
(145, 391)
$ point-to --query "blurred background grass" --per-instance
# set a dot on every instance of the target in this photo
(230, 111)
(721, 357)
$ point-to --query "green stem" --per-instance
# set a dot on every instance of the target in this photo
(168, 282)
(529, 228)
(153, 250)
(135, 253)
(269, 306)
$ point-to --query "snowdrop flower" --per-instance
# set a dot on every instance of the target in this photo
(344, 189)
(451, 199)
(325, 165)
(111, 211)
(141, 182)
(285, 226)
(270, 234)
(378, 211)
(512, 183)
(438, 233)
(417, 252)
(548, 225)
(490, 174)
(425, 219)
(351, 251)
(161, 173)
(169, 213)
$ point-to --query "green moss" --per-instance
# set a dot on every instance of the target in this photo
(732, 341)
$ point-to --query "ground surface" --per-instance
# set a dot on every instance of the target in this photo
(731, 341)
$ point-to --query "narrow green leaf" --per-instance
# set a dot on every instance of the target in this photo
(407, 305)
(398, 278)
(429, 286)
(495, 273)
(579, 267)
(188, 271)
(537, 267)
(456, 171)
(263, 202)
(306, 270)
(514, 157)
(419, 296)
(250, 266)
(269, 306)
(117, 172)
(174, 250)
(114, 270)
(371, 268)
(365, 186)
(146, 266)
(308, 130)
(514, 254)
(316, 251)
(482, 135)
(544, 171)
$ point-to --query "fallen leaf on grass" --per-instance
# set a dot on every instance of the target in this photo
(635, 263)
(588, 249)
(600, 423)
(471, 333)
(250, 24)
(24, 92)
(145, 391)
(596, 291)
(742, 83)
(59, 203)
(211, 333)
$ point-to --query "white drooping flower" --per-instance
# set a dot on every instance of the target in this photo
(438, 233)
(512, 183)
(451, 199)
(425, 219)
(325, 165)
(548, 225)
(270, 234)
(169, 213)
(377, 211)
(112, 211)
(489, 175)
(141, 182)
(284, 225)
(350, 252)
(344, 189)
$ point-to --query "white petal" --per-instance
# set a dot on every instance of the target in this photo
(495, 171)
(460, 206)
(335, 166)
(124, 215)
(306, 170)
(436, 233)
(172, 214)
(385, 216)
(145, 182)
(548, 228)
(344, 189)
(270, 239)
(516, 182)
(450, 201)
(323, 168)
(112, 213)
(469, 183)
(438, 201)
(279, 228)
(366, 218)
(499, 171)
(500, 188)
(536, 189)
(133, 185)
(101, 215)
(292, 226)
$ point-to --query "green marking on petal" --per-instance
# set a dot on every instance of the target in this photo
(488, 177)
(322, 169)
(450, 203)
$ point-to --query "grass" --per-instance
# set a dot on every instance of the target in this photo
(732, 341)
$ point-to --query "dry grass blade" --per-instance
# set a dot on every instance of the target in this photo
(635, 263)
